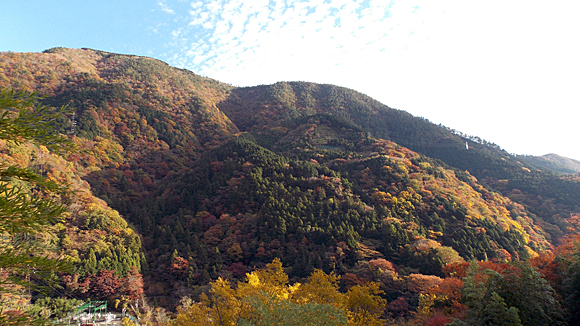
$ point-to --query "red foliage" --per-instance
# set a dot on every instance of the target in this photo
(85, 285)
(450, 287)
(420, 283)
(105, 284)
(568, 245)
(133, 284)
(550, 267)
(179, 266)
(459, 270)
(398, 307)
(128, 174)
(349, 280)
(438, 321)
(238, 270)
(207, 219)
(215, 167)
(261, 252)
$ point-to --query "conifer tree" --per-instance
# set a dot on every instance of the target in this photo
(29, 202)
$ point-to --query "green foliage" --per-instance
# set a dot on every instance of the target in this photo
(59, 307)
(570, 268)
(497, 313)
(269, 311)
(23, 119)
(493, 166)
(518, 293)
(254, 204)
(28, 206)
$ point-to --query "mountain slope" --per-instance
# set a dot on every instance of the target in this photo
(218, 180)
(91, 236)
(255, 108)
(556, 163)
(241, 205)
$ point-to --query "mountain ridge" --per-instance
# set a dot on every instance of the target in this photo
(217, 180)
(555, 162)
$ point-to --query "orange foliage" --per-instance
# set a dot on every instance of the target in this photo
(382, 264)
(550, 267)
(420, 283)
(459, 270)
(179, 266)
(450, 288)
(503, 255)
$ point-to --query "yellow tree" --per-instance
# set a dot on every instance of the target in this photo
(364, 305)
(266, 298)
(192, 313)
(321, 288)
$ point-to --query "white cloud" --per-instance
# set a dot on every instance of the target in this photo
(165, 7)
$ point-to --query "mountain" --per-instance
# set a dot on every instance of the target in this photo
(556, 163)
(217, 180)
(548, 196)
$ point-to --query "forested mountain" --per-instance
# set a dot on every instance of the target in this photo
(185, 179)
(555, 162)
(548, 196)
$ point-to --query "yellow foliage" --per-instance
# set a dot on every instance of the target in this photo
(127, 322)
(364, 305)
(253, 279)
(426, 302)
(192, 313)
(381, 197)
(321, 288)
(227, 306)
(271, 280)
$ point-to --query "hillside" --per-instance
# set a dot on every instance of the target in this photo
(548, 196)
(555, 162)
(92, 238)
(217, 180)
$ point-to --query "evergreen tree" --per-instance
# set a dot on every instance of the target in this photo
(518, 291)
(27, 200)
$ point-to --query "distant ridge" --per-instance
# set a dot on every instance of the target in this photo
(555, 163)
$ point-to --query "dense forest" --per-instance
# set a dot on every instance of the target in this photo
(275, 203)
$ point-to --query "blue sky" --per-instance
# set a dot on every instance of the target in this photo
(507, 71)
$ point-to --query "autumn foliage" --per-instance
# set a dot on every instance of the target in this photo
(185, 184)
(266, 296)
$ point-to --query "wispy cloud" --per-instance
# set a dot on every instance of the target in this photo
(165, 7)
(230, 39)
